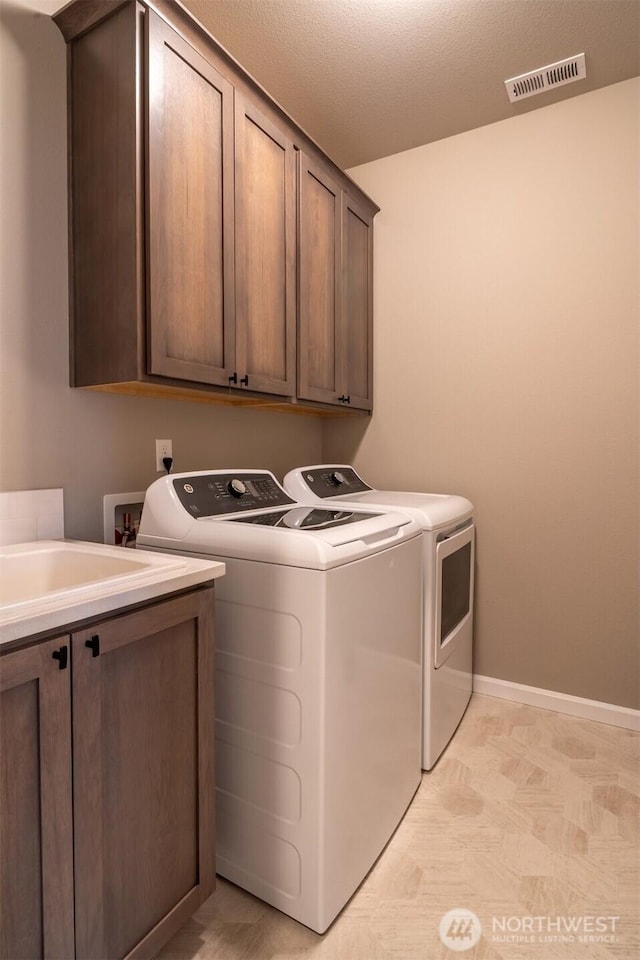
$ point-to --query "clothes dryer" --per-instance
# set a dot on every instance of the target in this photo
(448, 587)
(318, 680)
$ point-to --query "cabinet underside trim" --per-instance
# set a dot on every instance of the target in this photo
(136, 388)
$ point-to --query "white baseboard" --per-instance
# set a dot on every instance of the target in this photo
(560, 702)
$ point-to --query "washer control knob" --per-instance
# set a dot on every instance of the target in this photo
(337, 477)
(236, 488)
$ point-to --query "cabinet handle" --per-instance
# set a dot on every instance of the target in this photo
(245, 380)
(344, 399)
(94, 645)
(62, 656)
(233, 378)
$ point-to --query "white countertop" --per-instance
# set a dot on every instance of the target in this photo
(47, 585)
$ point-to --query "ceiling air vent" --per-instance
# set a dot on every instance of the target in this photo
(554, 75)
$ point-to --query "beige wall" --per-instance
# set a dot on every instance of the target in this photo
(50, 435)
(507, 370)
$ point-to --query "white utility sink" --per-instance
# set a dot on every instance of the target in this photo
(52, 582)
(48, 568)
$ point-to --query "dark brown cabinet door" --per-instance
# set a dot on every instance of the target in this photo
(357, 304)
(143, 788)
(265, 253)
(335, 327)
(36, 887)
(319, 266)
(190, 212)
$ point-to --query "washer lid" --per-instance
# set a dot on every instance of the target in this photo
(306, 518)
(340, 485)
(203, 514)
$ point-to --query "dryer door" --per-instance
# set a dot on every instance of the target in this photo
(454, 590)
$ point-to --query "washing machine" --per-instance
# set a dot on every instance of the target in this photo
(448, 563)
(318, 680)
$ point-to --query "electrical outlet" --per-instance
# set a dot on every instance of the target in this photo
(163, 449)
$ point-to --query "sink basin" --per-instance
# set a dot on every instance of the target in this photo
(51, 583)
(47, 569)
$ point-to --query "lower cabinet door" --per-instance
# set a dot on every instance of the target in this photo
(36, 885)
(143, 787)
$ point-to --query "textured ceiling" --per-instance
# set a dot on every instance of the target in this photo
(369, 78)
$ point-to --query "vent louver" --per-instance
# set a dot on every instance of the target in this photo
(553, 75)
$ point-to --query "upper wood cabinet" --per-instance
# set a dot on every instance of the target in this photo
(190, 212)
(197, 234)
(335, 344)
(357, 302)
(320, 322)
(265, 252)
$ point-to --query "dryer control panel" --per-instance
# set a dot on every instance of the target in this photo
(221, 494)
(334, 481)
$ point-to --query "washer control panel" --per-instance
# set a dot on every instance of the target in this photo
(220, 494)
(335, 481)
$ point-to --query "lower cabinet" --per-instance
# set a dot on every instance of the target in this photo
(36, 838)
(122, 872)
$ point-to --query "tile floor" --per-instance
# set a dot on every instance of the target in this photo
(530, 820)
